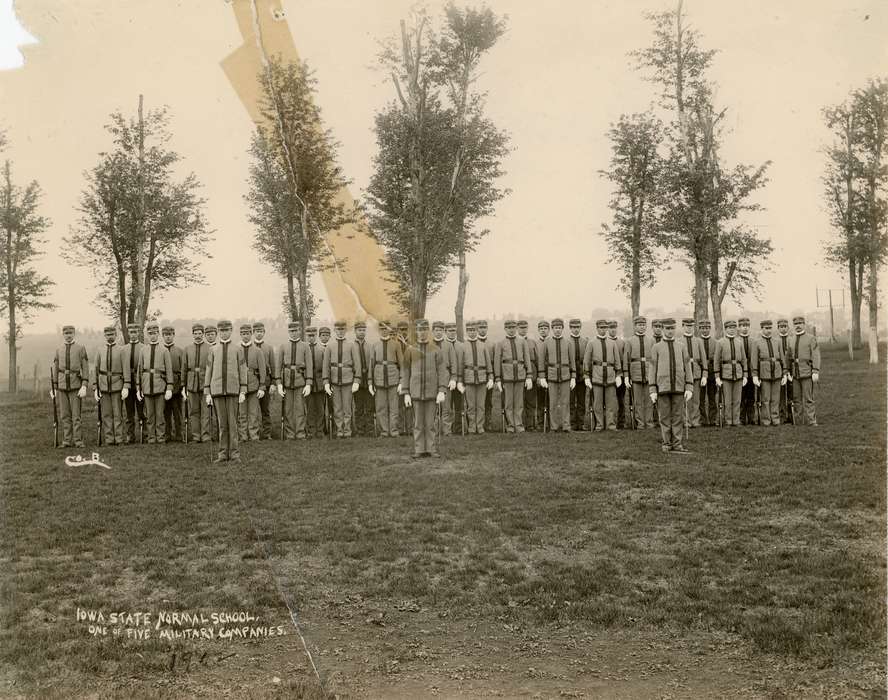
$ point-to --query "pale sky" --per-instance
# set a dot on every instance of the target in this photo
(556, 81)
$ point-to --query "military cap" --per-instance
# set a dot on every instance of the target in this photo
(730, 324)
(782, 322)
(339, 324)
(471, 324)
(612, 324)
(71, 328)
(168, 329)
(246, 328)
(403, 325)
(522, 323)
(601, 323)
(640, 319)
(482, 321)
(509, 323)
(107, 329)
(767, 323)
(293, 326)
(209, 328)
(224, 325)
(657, 323)
(422, 323)
(798, 319)
(688, 322)
(311, 329)
(152, 325)
(197, 327)
(384, 323)
(132, 325)
(543, 324)
(324, 329)
(668, 322)
(450, 326)
(558, 322)
(743, 320)
(575, 322)
(360, 324)
(258, 326)
(437, 324)
(704, 323)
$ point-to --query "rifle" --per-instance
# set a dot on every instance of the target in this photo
(631, 407)
(185, 415)
(283, 412)
(721, 407)
(757, 404)
(439, 420)
(327, 418)
(787, 397)
(99, 416)
(687, 421)
(503, 407)
(55, 412)
(546, 424)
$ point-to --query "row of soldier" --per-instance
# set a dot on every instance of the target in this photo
(339, 385)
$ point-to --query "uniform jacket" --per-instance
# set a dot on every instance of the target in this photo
(747, 342)
(804, 355)
(362, 367)
(155, 369)
(341, 362)
(670, 364)
(511, 360)
(257, 372)
(424, 371)
(317, 364)
(784, 341)
(602, 362)
(636, 354)
(708, 345)
(558, 362)
(621, 353)
(454, 357)
(476, 363)
(767, 359)
(270, 361)
(226, 372)
(295, 364)
(730, 359)
(579, 349)
(70, 367)
(699, 362)
(131, 353)
(177, 357)
(533, 348)
(194, 366)
(109, 369)
(385, 363)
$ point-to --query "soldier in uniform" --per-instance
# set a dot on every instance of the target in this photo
(657, 330)
(133, 404)
(730, 371)
(440, 342)
(249, 416)
(364, 409)
(70, 376)
(558, 375)
(786, 388)
(528, 417)
(622, 407)
(108, 386)
(317, 399)
(384, 371)
(194, 366)
(803, 362)
(670, 366)
(211, 334)
(172, 412)
(294, 374)
(225, 386)
(542, 396)
(481, 326)
(579, 402)
(424, 377)
(767, 363)
(708, 389)
(341, 364)
(452, 410)
(699, 368)
(747, 394)
(511, 364)
(476, 379)
(270, 363)
(155, 383)
(602, 374)
(636, 354)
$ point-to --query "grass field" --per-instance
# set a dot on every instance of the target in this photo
(549, 566)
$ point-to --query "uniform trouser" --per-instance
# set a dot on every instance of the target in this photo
(425, 440)
(317, 421)
(265, 411)
(226, 411)
(644, 409)
(248, 418)
(604, 404)
(342, 409)
(732, 391)
(670, 408)
(198, 417)
(364, 408)
(112, 417)
(709, 402)
(513, 400)
(579, 405)
(694, 405)
(622, 408)
(293, 411)
(69, 414)
(155, 425)
(559, 405)
(530, 418)
(803, 401)
(476, 399)
(488, 409)
(769, 395)
(785, 396)
(387, 402)
(747, 404)
(452, 412)
(133, 407)
(172, 418)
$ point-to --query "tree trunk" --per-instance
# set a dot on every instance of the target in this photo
(701, 291)
(13, 362)
(856, 293)
(139, 268)
(874, 314)
(635, 292)
(459, 307)
(291, 298)
(304, 312)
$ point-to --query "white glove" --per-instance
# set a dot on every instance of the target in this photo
(499, 385)
(168, 394)
(184, 394)
(124, 393)
(327, 389)
(654, 397)
(241, 397)
(703, 381)
(408, 402)
(528, 383)
(209, 400)
(398, 389)
(52, 393)
(743, 383)
(815, 376)
(588, 383)
(260, 394)
(81, 392)
(573, 383)
(689, 394)
(96, 394)
(355, 386)
(306, 390)
(544, 383)
(628, 383)
(490, 384)
(371, 389)
(440, 397)
(619, 380)
(451, 384)
(783, 380)
(718, 382)
(139, 395)
(281, 390)
(461, 388)
(756, 381)
(271, 389)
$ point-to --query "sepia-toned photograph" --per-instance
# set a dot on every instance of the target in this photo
(443, 349)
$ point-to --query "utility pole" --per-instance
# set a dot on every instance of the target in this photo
(828, 301)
